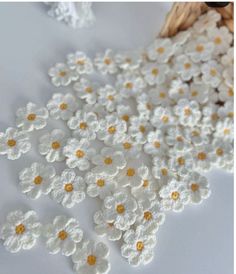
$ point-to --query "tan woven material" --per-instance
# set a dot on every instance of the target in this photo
(184, 14)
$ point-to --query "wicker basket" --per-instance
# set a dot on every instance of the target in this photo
(184, 14)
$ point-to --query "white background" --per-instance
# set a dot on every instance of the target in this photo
(198, 241)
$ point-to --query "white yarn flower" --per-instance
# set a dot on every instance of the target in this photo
(91, 258)
(36, 180)
(145, 105)
(105, 63)
(61, 75)
(226, 92)
(62, 106)
(227, 110)
(155, 73)
(161, 169)
(138, 246)
(20, 231)
(139, 128)
(162, 117)
(159, 95)
(109, 161)
(112, 130)
(212, 73)
(155, 144)
(174, 196)
(197, 135)
(62, 235)
(84, 125)
(202, 157)
(198, 187)
(51, 144)
(207, 21)
(108, 97)
(178, 90)
(31, 117)
(68, 188)
(176, 138)
(128, 60)
(80, 62)
(124, 112)
(199, 92)
(210, 115)
(225, 129)
(78, 153)
(181, 162)
(103, 228)
(100, 185)
(13, 143)
(86, 90)
(161, 50)
(222, 153)
(120, 209)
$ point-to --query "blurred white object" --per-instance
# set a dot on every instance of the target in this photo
(74, 14)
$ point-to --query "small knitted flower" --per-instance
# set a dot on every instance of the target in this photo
(103, 228)
(198, 187)
(120, 209)
(207, 21)
(124, 112)
(109, 161)
(84, 125)
(176, 138)
(91, 258)
(78, 153)
(20, 231)
(112, 130)
(226, 92)
(61, 75)
(202, 157)
(51, 144)
(62, 235)
(68, 188)
(36, 180)
(181, 162)
(161, 50)
(225, 129)
(228, 62)
(222, 153)
(174, 196)
(99, 184)
(80, 62)
(178, 90)
(212, 73)
(198, 92)
(155, 73)
(145, 105)
(128, 60)
(129, 84)
(62, 106)
(105, 63)
(139, 128)
(31, 117)
(159, 95)
(108, 97)
(227, 110)
(186, 68)
(210, 115)
(197, 135)
(138, 246)
(200, 49)
(130, 147)
(162, 117)
(188, 112)
(86, 90)
(13, 143)
(155, 143)
(161, 169)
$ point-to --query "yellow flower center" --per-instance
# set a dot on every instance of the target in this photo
(149, 106)
(129, 85)
(91, 260)
(145, 183)
(213, 72)
(20, 229)
(187, 66)
(100, 182)
(164, 172)
(89, 89)
(187, 111)
(80, 62)
(155, 71)
(230, 92)
(147, 215)
(125, 117)
(107, 61)
(120, 209)
(180, 91)
(199, 48)
(202, 156)
(38, 180)
(56, 145)
(194, 187)
(130, 172)
(68, 187)
(63, 106)
(195, 133)
(110, 97)
(142, 129)
(127, 145)
(80, 153)
(218, 40)
(128, 60)
(62, 73)
(231, 114)
(214, 117)
(162, 95)
(157, 144)
(226, 131)
(112, 129)
(175, 195)
(219, 151)
(165, 119)
(139, 246)
(179, 138)
(108, 161)
(11, 143)
(83, 125)
(31, 117)
(160, 50)
(194, 93)
(62, 235)
(181, 161)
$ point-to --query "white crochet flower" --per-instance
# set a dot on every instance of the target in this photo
(210, 115)
(62, 235)
(20, 231)
(51, 144)
(130, 147)
(178, 90)
(162, 117)
(222, 39)
(91, 258)
(212, 73)
(161, 169)
(186, 68)
(150, 216)
(103, 228)
(128, 60)
(13, 143)
(105, 63)
(31, 117)
(109, 161)
(100, 185)
(85, 89)
(198, 187)
(61, 75)
(161, 50)
(207, 21)
(200, 49)
(181, 162)
(155, 73)
(155, 144)
(174, 196)
(68, 188)
(112, 130)
(139, 128)
(197, 135)
(84, 125)
(226, 92)
(159, 95)
(176, 138)
(80, 62)
(225, 129)
(145, 105)
(198, 92)
(129, 84)
(108, 97)
(203, 157)
(188, 112)
(227, 110)
(120, 209)
(222, 153)
(98, 109)
(62, 106)
(36, 180)
(138, 246)
(124, 112)
(78, 153)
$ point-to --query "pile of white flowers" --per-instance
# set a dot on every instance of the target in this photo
(141, 143)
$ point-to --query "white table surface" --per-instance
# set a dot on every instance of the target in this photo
(198, 241)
